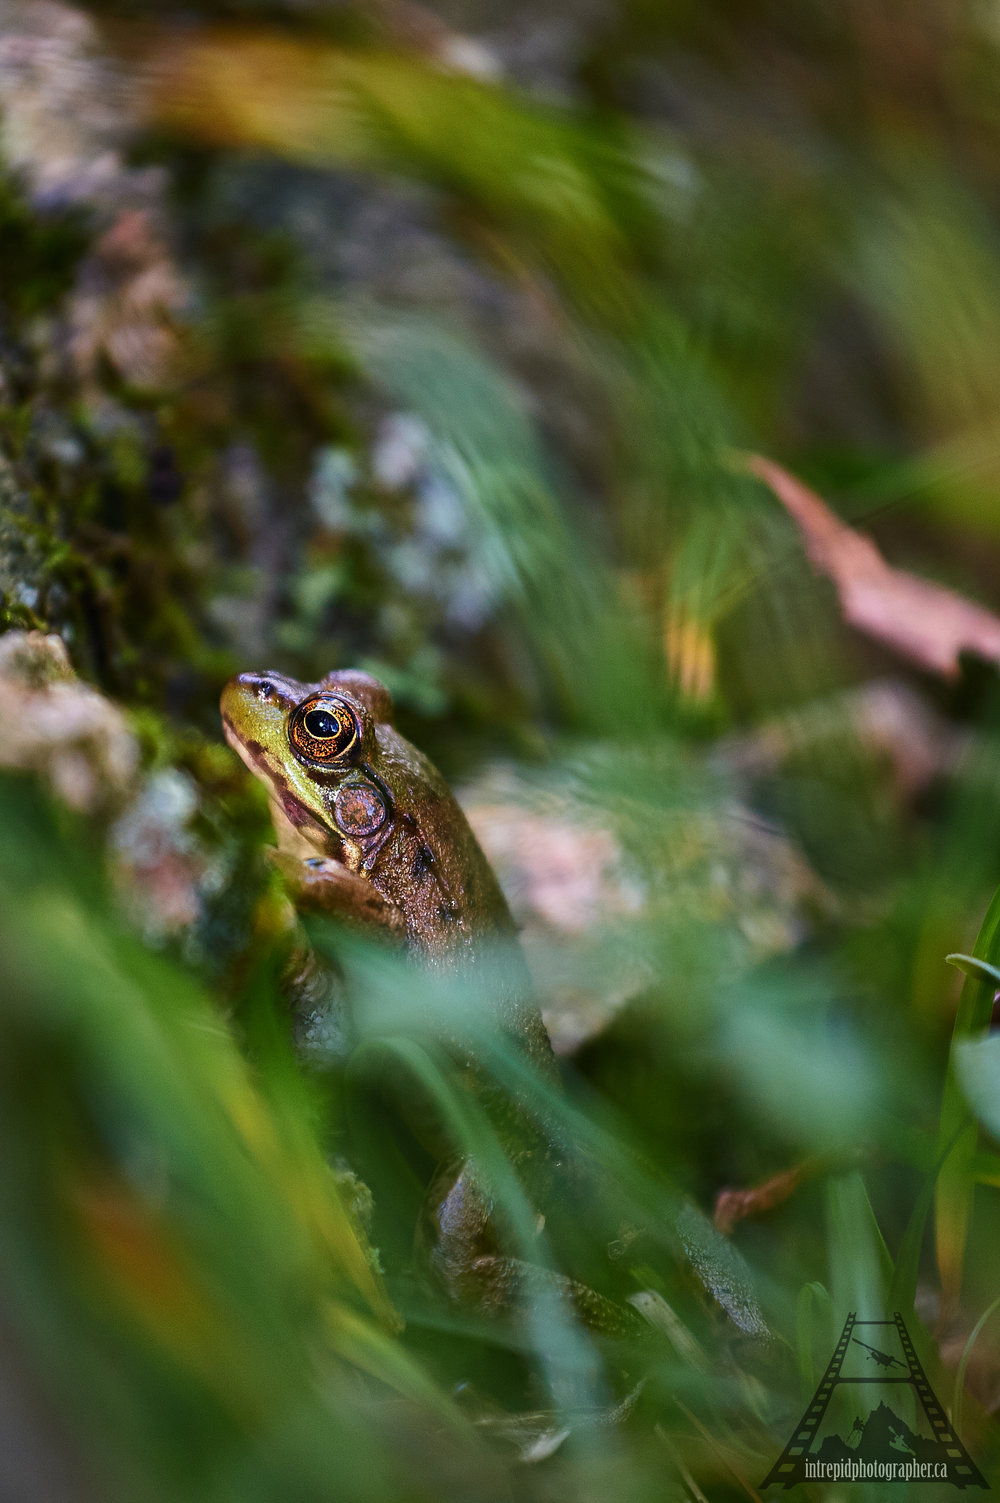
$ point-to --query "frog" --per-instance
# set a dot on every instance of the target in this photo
(370, 833)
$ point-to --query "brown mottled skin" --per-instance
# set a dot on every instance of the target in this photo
(373, 835)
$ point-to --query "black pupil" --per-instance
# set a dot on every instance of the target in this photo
(322, 725)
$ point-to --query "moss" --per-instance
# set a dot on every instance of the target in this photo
(38, 255)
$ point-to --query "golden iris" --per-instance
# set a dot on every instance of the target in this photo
(323, 729)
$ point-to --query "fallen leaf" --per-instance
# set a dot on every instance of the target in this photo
(922, 621)
(732, 1206)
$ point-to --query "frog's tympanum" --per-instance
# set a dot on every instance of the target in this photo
(369, 832)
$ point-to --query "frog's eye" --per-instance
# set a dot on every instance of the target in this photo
(323, 729)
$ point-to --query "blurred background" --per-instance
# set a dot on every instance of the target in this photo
(619, 383)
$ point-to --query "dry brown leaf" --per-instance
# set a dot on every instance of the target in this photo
(922, 621)
(732, 1206)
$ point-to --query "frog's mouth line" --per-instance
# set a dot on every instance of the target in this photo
(285, 805)
(257, 758)
(250, 752)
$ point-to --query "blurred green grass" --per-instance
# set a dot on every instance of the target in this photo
(812, 272)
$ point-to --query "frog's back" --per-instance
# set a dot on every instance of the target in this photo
(434, 865)
(456, 914)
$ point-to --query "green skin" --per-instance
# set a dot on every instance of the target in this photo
(371, 834)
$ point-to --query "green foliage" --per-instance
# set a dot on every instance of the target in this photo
(499, 472)
(174, 1215)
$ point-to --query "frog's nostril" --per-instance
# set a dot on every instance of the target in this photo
(258, 684)
(246, 690)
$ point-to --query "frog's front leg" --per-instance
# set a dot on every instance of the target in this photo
(320, 884)
(314, 984)
(466, 1258)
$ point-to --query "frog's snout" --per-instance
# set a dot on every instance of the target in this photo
(247, 687)
(254, 691)
(254, 706)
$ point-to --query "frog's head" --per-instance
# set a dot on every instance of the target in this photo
(313, 745)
